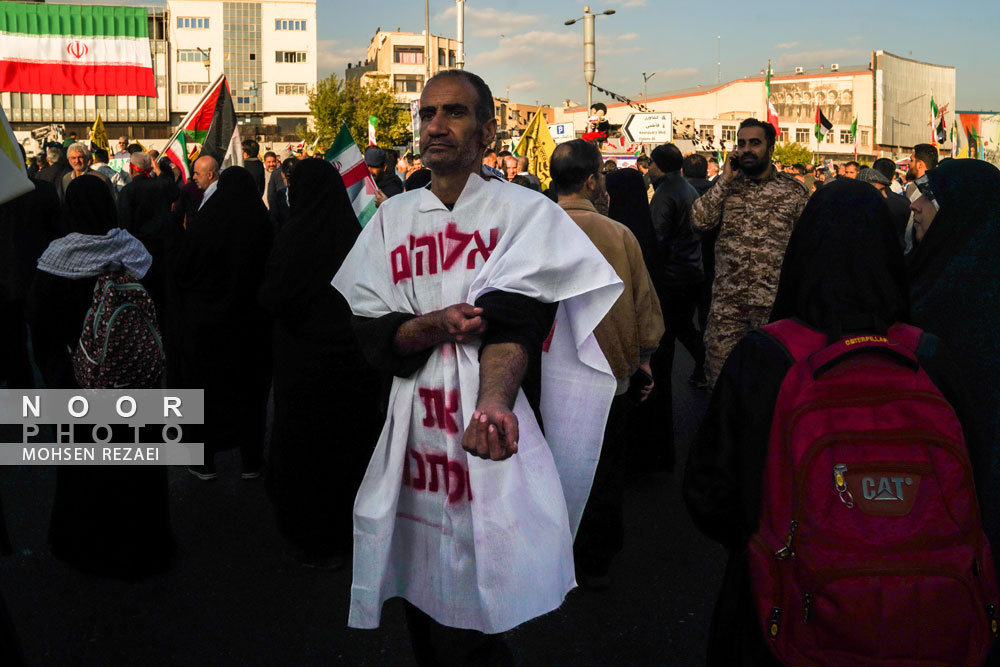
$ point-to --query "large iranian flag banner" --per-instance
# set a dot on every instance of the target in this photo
(75, 50)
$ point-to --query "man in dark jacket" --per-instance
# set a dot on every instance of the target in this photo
(899, 205)
(680, 274)
(385, 180)
(252, 163)
(58, 167)
(695, 170)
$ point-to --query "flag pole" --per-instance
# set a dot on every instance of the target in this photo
(201, 100)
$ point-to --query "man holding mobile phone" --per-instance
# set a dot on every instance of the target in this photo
(756, 207)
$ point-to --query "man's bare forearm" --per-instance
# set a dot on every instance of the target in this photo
(418, 334)
(501, 371)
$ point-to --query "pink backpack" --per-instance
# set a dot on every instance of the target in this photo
(870, 549)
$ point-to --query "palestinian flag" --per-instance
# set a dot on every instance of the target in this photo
(345, 155)
(212, 123)
(822, 127)
(176, 152)
(938, 132)
(75, 50)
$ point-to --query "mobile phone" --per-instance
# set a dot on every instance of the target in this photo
(639, 381)
(734, 161)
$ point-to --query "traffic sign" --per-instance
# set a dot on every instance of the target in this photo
(562, 132)
(649, 128)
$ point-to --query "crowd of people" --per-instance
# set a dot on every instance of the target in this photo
(458, 386)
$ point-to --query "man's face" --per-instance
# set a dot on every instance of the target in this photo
(850, 171)
(752, 151)
(713, 169)
(490, 160)
(77, 161)
(919, 166)
(270, 163)
(451, 138)
(122, 144)
(418, 164)
(923, 215)
(510, 167)
(376, 172)
(203, 175)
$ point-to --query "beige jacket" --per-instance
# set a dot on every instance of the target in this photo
(630, 333)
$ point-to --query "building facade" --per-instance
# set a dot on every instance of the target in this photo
(398, 59)
(266, 48)
(706, 118)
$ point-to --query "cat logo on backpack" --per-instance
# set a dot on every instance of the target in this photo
(884, 493)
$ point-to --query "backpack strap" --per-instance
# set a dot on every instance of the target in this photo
(906, 334)
(798, 340)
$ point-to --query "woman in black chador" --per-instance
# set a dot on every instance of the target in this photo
(326, 397)
(109, 521)
(222, 337)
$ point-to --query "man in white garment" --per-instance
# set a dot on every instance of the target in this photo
(480, 298)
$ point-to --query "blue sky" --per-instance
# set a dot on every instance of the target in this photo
(524, 44)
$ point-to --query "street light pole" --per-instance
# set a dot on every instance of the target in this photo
(644, 80)
(460, 33)
(589, 50)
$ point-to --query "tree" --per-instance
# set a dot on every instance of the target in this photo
(792, 153)
(336, 100)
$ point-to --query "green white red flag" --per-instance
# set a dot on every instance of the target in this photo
(176, 152)
(772, 113)
(372, 122)
(75, 49)
(822, 126)
(345, 155)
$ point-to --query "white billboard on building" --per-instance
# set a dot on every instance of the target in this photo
(903, 91)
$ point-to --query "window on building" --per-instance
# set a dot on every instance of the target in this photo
(191, 88)
(193, 22)
(785, 135)
(729, 132)
(408, 55)
(802, 135)
(289, 56)
(291, 89)
(441, 57)
(864, 137)
(829, 137)
(243, 100)
(845, 137)
(193, 55)
(289, 24)
(408, 83)
(451, 59)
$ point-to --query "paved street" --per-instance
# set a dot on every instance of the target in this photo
(234, 598)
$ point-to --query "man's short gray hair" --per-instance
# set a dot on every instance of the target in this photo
(79, 148)
(141, 161)
(53, 154)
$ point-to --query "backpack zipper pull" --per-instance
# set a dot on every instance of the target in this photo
(774, 623)
(840, 483)
(787, 551)
(991, 611)
(807, 607)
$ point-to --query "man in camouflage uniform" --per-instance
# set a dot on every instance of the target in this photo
(756, 206)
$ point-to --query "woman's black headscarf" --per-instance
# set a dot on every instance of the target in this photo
(955, 294)
(310, 248)
(630, 206)
(89, 207)
(843, 269)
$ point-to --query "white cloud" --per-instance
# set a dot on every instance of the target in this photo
(677, 73)
(536, 46)
(525, 85)
(786, 45)
(815, 58)
(632, 4)
(627, 37)
(491, 22)
(333, 57)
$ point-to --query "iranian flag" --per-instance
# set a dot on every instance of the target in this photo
(772, 113)
(176, 152)
(75, 50)
(372, 122)
(822, 127)
(345, 155)
(212, 123)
